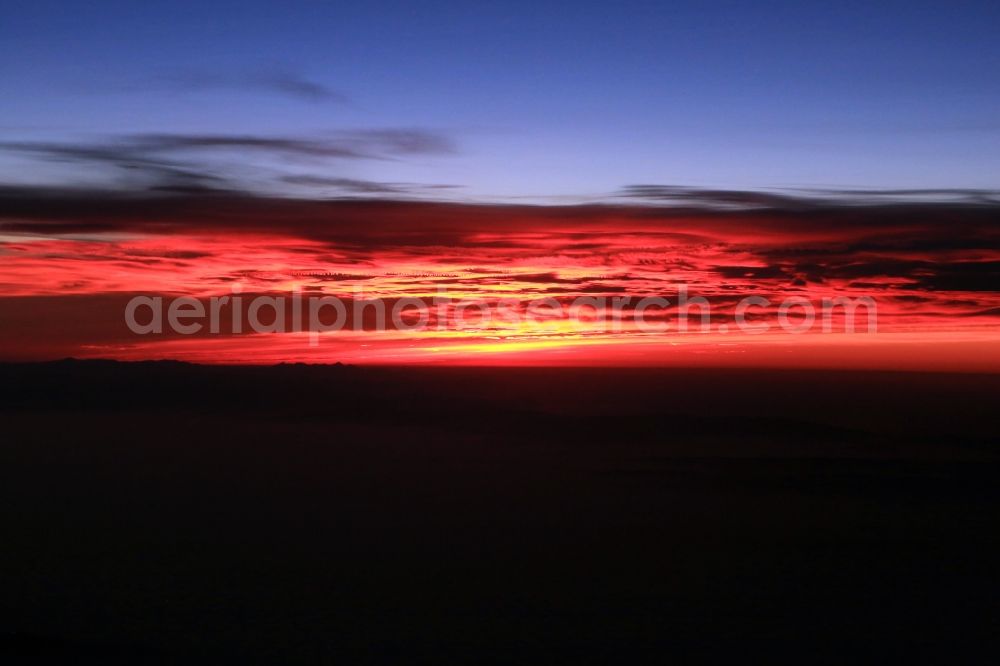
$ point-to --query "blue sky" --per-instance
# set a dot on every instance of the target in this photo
(536, 99)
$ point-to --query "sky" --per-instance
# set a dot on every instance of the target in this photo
(507, 152)
(537, 99)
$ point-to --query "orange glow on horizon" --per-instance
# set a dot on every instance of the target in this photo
(64, 294)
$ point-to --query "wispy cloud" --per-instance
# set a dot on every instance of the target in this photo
(358, 186)
(802, 199)
(218, 161)
(272, 80)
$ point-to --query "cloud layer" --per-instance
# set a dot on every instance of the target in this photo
(934, 269)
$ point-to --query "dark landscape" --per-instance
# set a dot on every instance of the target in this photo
(162, 513)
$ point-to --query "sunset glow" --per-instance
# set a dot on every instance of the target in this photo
(930, 275)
